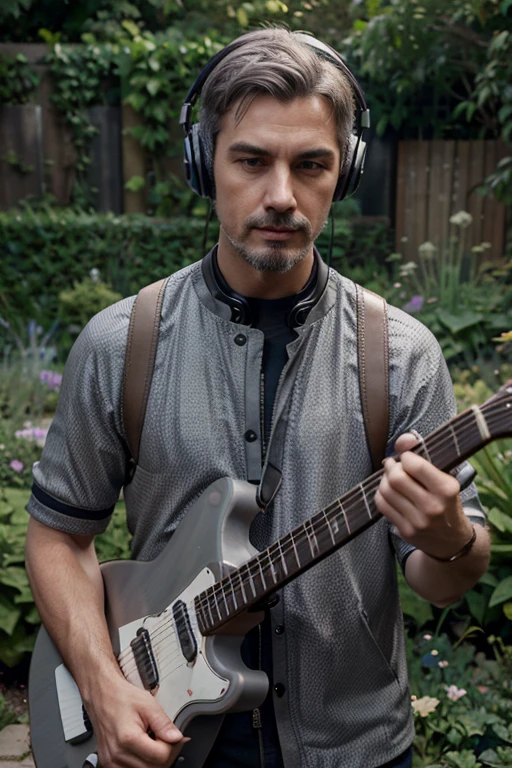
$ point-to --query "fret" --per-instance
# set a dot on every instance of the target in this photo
(273, 572)
(251, 580)
(296, 553)
(235, 603)
(455, 441)
(312, 540)
(263, 582)
(242, 587)
(209, 604)
(224, 596)
(361, 486)
(340, 505)
(199, 605)
(283, 559)
(217, 604)
(333, 538)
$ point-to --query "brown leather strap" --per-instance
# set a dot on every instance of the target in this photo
(139, 361)
(372, 343)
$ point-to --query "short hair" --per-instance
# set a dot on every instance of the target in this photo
(276, 63)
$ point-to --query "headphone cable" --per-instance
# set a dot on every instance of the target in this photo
(331, 238)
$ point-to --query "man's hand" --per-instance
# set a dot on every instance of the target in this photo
(422, 502)
(122, 717)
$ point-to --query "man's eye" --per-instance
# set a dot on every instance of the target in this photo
(251, 162)
(310, 165)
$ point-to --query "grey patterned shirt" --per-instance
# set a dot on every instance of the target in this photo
(344, 696)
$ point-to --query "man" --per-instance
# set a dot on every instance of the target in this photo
(258, 348)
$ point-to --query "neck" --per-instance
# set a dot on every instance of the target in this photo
(253, 283)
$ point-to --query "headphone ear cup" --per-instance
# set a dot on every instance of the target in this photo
(195, 169)
(352, 170)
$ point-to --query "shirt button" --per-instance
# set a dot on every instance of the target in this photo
(279, 689)
(251, 436)
(240, 339)
(279, 629)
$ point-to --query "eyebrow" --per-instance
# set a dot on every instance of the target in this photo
(308, 154)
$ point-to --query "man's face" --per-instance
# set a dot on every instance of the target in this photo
(275, 174)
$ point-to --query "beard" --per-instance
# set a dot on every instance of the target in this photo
(277, 255)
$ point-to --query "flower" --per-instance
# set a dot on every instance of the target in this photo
(427, 637)
(52, 379)
(443, 664)
(427, 250)
(454, 693)
(424, 706)
(94, 274)
(462, 219)
(408, 268)
(16, 465)
(434, 652)
(414, 305)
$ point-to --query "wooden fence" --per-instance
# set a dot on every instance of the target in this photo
(436, 179)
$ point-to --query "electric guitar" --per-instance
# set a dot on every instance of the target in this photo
(177, 623)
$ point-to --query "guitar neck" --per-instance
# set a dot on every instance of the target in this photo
(332, 527)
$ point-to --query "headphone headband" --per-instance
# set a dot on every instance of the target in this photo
(196, 171)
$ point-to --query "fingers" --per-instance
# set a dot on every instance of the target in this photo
(415, 496)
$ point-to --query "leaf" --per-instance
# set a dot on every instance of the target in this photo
(242, 17)
(135, 184)
(9, 615)
(500, 520)
(502, 593)
(477, 604)
(14, 577)
(459, 321)
(153, 86)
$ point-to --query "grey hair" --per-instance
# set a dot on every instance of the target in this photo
(272, 62)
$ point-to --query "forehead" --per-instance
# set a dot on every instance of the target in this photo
(292, 127)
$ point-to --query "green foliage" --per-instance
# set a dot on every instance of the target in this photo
(489, 603)
(17, 80)
(85, 299)
(461, 703)
(463, 303)
(435, 70)
(13, 8)
(45, 253)
(81, 80)
(19, 619)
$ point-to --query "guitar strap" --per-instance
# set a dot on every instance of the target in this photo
(372, 338)
(139, 363)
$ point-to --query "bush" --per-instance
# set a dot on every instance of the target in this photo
(19, 619)
(48, 253)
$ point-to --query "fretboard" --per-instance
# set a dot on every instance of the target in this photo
(334, 526)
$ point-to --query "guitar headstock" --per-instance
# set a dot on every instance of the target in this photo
(497, 411)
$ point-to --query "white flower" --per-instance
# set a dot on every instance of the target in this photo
(94, 274)
(424, 706)
(462, 219)
(454, 693)
(427, 250)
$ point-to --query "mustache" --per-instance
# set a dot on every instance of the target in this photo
(282, 220)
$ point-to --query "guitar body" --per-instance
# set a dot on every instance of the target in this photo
(211, 541)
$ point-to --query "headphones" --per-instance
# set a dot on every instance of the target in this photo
(241, 309)
(196, 171)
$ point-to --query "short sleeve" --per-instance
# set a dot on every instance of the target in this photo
(82, 468)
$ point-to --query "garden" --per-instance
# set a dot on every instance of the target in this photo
(432, 71)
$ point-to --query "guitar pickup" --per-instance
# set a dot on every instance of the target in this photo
(184, 629)
(145, 659)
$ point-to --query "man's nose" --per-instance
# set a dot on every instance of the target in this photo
(279, 193)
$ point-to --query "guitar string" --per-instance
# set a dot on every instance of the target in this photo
(263, 567)
(259, 561)
(348, 499)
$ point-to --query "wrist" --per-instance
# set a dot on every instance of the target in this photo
(461, 552)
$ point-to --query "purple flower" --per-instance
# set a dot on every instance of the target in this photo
(52, 379)
(16, 465)
(414, 305)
